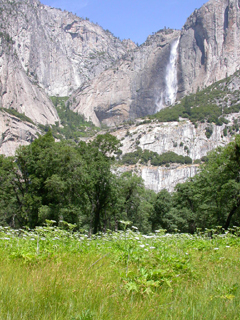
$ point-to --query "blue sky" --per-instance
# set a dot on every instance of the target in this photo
(134, 19)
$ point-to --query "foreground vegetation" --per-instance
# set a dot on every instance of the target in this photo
(52, 273)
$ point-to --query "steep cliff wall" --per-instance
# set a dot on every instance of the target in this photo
(159, 178)
(148, 78)
(112, 80)
(16, 89)
(209, 46)
(135, 86)
(57, 49)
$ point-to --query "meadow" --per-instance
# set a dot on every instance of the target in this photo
(51, 273)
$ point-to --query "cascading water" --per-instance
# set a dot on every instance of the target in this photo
(171, 76)
(168, 97)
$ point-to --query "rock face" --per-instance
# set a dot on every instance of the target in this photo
(179, 137)
(18, 92)
(208, 49)
(133, 87)
(209, 46)
(159, 178)
(15, 133)
(58, 50)
(110, 80)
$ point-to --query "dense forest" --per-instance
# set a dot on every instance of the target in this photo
(76, 184)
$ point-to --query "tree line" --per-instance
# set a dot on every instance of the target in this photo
(76, 183)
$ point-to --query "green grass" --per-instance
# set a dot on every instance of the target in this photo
(54, 274)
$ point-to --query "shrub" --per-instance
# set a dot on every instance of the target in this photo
(208, 131)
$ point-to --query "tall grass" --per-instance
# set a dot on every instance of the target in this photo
(49, 273)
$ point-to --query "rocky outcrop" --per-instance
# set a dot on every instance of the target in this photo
(132, 88)
(15, 133)
(159, 178)
(18, 92)
(209, 48)
(183, 137)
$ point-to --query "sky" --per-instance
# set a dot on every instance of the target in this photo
(131, 19)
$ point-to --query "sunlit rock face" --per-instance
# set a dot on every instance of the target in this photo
(18, 92)
(209, 48)
(111, 81)
(57, 49)
(140, 83)
(183, 138)
(46, 52)
(15, 133)
(168, 66)
(159, 178)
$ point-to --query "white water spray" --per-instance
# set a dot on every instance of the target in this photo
(171, 76)
(168, 97)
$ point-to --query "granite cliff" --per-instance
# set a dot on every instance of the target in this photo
(133, 87)
(209, 48)
(168, 66)
(58, 50)
(110, 80)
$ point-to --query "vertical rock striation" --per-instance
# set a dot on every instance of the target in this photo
(209, 48)
(17, 91)
(57, 49)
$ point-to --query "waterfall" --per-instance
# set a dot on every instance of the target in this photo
(168, 97)
(171, 76)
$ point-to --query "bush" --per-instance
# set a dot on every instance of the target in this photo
(197, 161)
(208, 131)
(155, 158)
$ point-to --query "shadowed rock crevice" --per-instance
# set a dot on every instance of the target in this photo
(226, 18)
